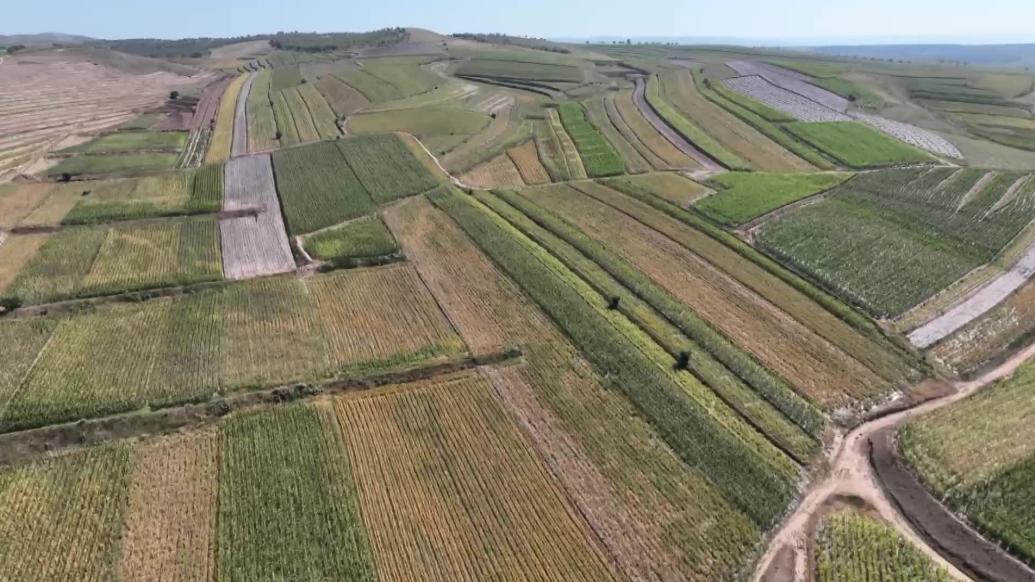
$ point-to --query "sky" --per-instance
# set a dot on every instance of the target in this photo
(809, 21)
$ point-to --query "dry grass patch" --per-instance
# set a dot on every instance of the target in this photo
(526, 159)
(499, 172)
(171, 519)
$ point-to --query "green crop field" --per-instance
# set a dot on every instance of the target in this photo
(121, 258)
(165, 195)
(520, 70)
(317, 188)
(114, 164)
(886, 241)
(598, 155)
(855, 145)
(355, 240)
(854, 548)
(405, 73)
(742, 196)
(976, 455)
(300, 521)
(262, 124)
(857, 94)
(132, 141)
(386, 167)
(373, 89)
(440, 128)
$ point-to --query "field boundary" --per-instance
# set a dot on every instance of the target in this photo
(20, 446)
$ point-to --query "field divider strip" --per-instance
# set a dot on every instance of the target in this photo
(21, 446)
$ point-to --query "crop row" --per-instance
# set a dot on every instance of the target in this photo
(854, 548)
(712, 356)
(598, 155)
(690, 130)
(668, 517)
(83, 262)
(743, 474)
(765, 318)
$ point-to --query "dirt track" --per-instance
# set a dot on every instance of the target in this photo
(681, 143)
(851, 475)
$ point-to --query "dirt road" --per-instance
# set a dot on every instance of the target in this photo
(681, 143)
(851, 475)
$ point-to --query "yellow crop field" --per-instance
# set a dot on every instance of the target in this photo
(381, 315)
(526, 158)
(470, 500)
(219, 145)
(40, 501)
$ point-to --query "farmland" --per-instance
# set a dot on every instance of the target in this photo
(409, 306)
(742, 196)
(165, 195)
(852, 547)
(983, 479)
(317, 188)
(173, 350)
(888, 240)
(856, 145)
(355, 240)
(598, 156)
(520, 518)
(589, 430)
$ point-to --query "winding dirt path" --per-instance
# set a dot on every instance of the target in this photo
(681, 143)
(851, 475)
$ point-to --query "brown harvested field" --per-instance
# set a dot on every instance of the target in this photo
(499, 515)
(58, 202)
(48, 95)
(817, 368)
(526, 159)
(651, 143)
(499, 172)
(19, 199)
(170, 524)
(16, 250)
(253, 245)
(370, 315)
(652, 512)
(740, 138)
(208, 106)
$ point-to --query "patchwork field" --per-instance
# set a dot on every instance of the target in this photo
(166, 351)
(398, 305)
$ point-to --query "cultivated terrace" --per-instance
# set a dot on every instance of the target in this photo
(403, 306)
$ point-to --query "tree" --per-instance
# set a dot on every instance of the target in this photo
(174, 95)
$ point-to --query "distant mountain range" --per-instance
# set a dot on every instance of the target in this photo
(43, 39)
(998, 55)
